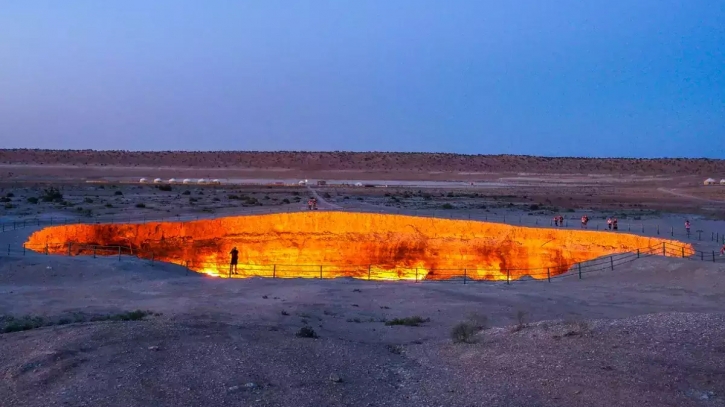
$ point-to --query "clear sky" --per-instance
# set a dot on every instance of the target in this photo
(639, 78)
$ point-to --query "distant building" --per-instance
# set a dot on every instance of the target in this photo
(143, 180)
(722, 181)
(321, 183)
(358, 184)
(157, 181)
(709, 181)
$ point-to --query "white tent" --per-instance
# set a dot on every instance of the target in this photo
(172, 180)
(358, 184)
(143, 180)
(157, 181)
(709, 181)
(186, 181)
(216, 182)
(722, 181)
(201, 181)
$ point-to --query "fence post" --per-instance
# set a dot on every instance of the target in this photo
(713, 256)
(369, 266)
(508, 276)
(548, 274)
(46, 249)
(416, 272)
(664, 250)
(152, 258)
(658, 229)
(320, 272)
(672, 230)
(464, 276)
(699, 235)
(638, 253)
(23, 249)
(119, 253)
(683, 252)
(580, 270)
(69, 247)
(611, 261)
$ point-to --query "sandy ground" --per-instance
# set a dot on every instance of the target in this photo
(648, 333)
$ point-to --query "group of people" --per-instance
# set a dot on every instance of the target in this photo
(612, 224)
(312, 203)
(558, 220)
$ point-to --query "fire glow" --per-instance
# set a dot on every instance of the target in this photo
(357, 245)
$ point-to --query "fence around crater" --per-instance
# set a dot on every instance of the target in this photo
(371, 271)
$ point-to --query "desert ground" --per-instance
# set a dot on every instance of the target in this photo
(107, 331)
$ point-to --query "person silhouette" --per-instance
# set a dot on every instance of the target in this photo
(233, 263)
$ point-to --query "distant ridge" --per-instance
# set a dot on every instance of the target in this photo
(365, 161)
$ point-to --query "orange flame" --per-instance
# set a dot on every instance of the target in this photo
(358, 245)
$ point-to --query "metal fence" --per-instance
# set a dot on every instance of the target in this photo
(376, 272)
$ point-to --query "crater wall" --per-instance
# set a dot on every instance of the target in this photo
(360, 245)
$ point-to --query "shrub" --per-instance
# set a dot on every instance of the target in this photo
(5, 199)
(534, 207)
(118, 193)
(408, 321)
(33, 200)
(52, 195)
(187, 192)
(463, 332)
(10, 195)
(140, 205)
(286, 201)
(447, 206)
(326, 195)
(108, 205)
(9, 206)
(234, 197)
(164, 187)
(306, 332)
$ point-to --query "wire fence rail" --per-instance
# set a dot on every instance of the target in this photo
(518, 220)
(372, 271)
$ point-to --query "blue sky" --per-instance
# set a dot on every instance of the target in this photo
(642, 78)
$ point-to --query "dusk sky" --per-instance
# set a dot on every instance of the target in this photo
(636, 78)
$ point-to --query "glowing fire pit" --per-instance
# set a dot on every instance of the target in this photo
(359, 245)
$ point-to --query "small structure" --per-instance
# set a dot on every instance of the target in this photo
(358, 184)
(303, 182)
(321, 183)
(722, 181)
(172, 181)
(216, 182)
(158, 181)
(201, 181)
(186, 181)
(709, 181)
(143, 180)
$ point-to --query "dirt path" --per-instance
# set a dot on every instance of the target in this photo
(682, 195)
(321, 202)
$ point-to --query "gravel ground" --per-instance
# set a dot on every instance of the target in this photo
(650, 333)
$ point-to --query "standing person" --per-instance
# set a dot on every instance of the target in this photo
(687, 227)
(561, 221)
(233, 262)
(614, 224)
(609, 223)
(722, 251)
(556, 220)
(584, 222)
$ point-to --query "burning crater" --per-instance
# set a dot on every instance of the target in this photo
(359, 245)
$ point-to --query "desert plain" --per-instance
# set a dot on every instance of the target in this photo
(122, 331)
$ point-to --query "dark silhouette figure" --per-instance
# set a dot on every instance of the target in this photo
(687, 227)
(235, 259)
